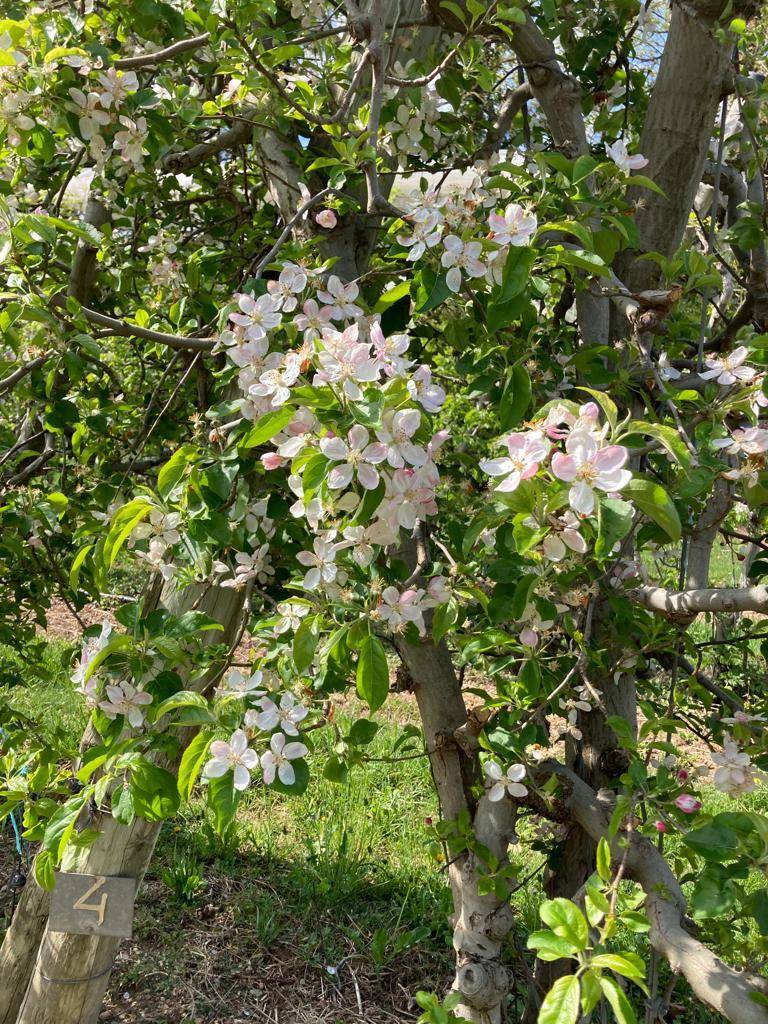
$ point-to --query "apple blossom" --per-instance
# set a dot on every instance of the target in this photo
(420, 387)
(256, 316)
(234, 755)
(526, 452)
(287, 714)
(620, 155)
(729, 369)
(587, 466)
(461, 256)
(688, 804)
(291, 282)
(125, 699)
(291, 613)
(321, 562)
(395, 433)
(426, 232)
(237, 684)
(514, 228)
(356, 457)
(277, 760)
(505, 783)
(340, 298)
(566, 536)
(734, 773)
(397, 609)
(313, 320)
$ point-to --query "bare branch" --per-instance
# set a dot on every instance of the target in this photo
(145, 60)
(121, 329)
(685, 605)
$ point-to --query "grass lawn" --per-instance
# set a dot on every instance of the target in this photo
(323, 908)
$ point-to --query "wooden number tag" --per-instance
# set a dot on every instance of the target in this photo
(92, 905)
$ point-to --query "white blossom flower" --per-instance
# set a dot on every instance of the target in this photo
(356, 457)
(257, 316)
(277, 760)
(257, 565)
(388, 352)
(313, 320)
(277, 380)
(505, 782)
(125, 699)
(291, 613)
(349, 367)
(117, 86)
(395, 433)
(236, 683)
(425, 232)
(729, 369)
(734, 773)
(666, 371)
(340, 298)
(287, 714)
(321, 562)
(291, 282)
(461, 256)
(326, 219)
(567, 536)
(420, 387)
(130, 141)
(91, 116)
(235, 755)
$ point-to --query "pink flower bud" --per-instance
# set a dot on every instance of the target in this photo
(682, 775)
(660, 826)
(271, 460)
(688, 804)
(427, 821)
(529, 637)
(326, 219)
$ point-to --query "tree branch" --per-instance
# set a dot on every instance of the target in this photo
(145, 60)
(684, 605)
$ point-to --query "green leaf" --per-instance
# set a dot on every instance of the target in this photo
(305, 643)
(549, 946)
(392, 296)
(45, 875)
(667, 437)
(604, 859)
(265, 428)
(182, 699)
(173, 471)
(640, 179)
(154, 791)
(621, 964)
(61, 825)
(516, 397)
(123, 810)
(435, 295)
(445, 617)
(223, 799)
(561, 1003)
(620, 1005)
(192, 761)
(362, 732)
(566, 920)
(372, 672)
(516, 273)
(653, 501)
(124, 521)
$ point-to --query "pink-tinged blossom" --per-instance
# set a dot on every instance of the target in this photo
(349, 368)
(130, 141)
(257, 316)
(411, 494)
(556, 545)
(505, 783)
(747, 441)
(688, 804)
(287, 715)
(326, 219)
(397, 609)
(388, 352)
(91, 647)
(235, 755)
(395, 434)
(729, 369)
(117, 86)
(438, 592)
(515, 227)
(313, 320)
(420, 387)
(526, 453)
(257, 565)
(587, 466)
(461, 256)
(734, 774)
(125, 699)
(660, 826)
(272, 460)
(341, 299)
(284, 291)
(321, 562)
(276, 381)
(356, 457)
(620, 155)
(277, 760)
(426, 229)
(529, 637)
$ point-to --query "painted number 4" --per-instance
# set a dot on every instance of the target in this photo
(99, 908)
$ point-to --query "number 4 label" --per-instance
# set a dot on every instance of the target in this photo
(99, 908)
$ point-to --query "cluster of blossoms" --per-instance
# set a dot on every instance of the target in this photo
(436, 219)
(122, 697)
(277, 723)
(407, 133)
(99, 109)
(734, 772)
(588, 464)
